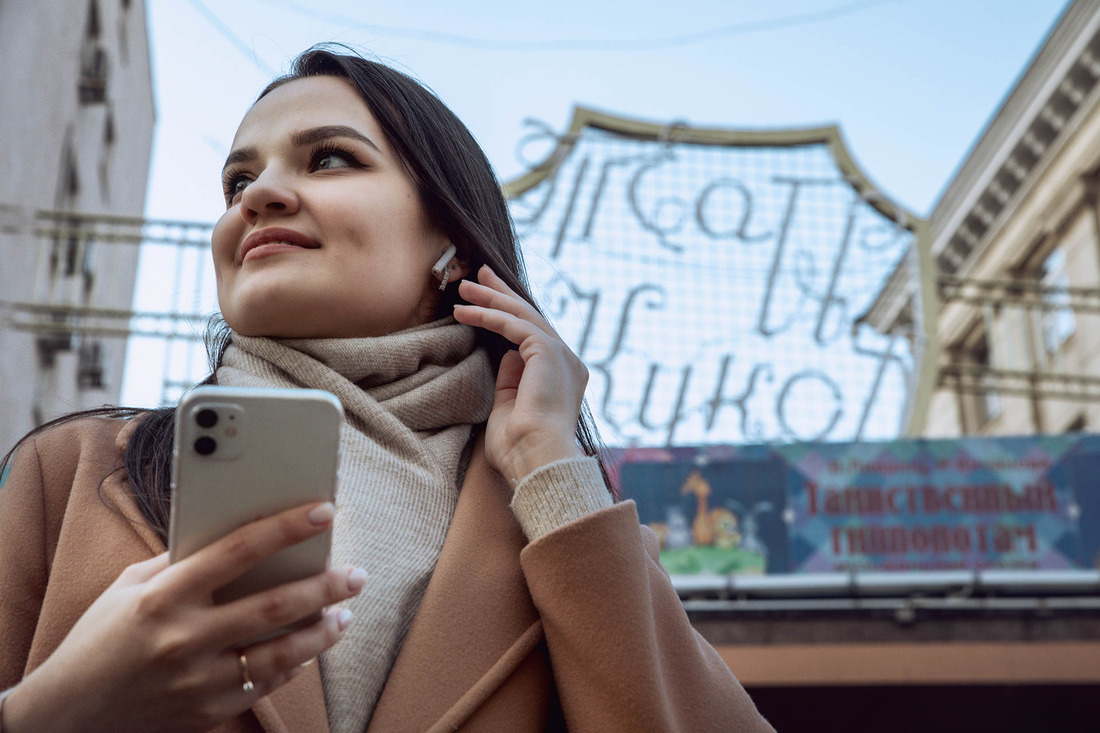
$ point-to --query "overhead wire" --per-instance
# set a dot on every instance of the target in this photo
(581, 44)
(230, 35)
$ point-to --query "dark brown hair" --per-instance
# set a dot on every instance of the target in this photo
(457, 188)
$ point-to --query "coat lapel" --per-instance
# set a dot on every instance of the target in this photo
(476, 621)
(299, 705)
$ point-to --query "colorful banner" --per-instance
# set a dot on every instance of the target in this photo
(971, 503)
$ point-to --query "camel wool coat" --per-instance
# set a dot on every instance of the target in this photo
(580, 630)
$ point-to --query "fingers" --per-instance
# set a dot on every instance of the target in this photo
(493, 293)
(509, 373)
(487, 277)
(228, 558)
(272, 663)
(514, 328)
(142, 572)
(495, 307)
(262, 613)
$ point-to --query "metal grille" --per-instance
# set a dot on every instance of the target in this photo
(715, 291)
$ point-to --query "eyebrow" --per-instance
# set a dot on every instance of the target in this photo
(303, 138)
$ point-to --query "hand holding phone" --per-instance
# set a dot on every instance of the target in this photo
(151, 651)
(242, 454)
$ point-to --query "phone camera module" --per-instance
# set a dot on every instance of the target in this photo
(205, 445)
(206, 418)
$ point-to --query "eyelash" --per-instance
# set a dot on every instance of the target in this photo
(320, 150)
(229, 181)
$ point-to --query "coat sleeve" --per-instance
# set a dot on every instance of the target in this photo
(23, 561)
(624, 655)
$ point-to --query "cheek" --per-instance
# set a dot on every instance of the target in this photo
(224, 238)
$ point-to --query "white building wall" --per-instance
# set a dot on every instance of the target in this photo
(46, 131)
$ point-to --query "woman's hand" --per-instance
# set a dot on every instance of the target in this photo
(154, 652)
(539, 386)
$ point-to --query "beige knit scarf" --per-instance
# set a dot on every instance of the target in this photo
(410, 401)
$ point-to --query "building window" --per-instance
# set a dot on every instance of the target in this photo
(1058, 319)
(90, 369)
(93, 75)
(104, 167)
(92, 24)
(92, 86)
(124, 34)
(987, 400)
(979, 402)
(73, 249)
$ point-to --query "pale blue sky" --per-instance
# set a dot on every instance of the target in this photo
(910, 82)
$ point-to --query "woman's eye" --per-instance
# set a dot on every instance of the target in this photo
(330, 160)
(234, 187)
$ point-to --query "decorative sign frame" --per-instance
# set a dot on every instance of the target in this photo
(716, 282)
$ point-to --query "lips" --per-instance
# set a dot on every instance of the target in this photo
(271, 240)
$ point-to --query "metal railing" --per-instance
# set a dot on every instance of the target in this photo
(94, 277)
(963, 592)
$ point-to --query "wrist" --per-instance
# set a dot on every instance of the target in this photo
(558, 494)
(14, 717)
(21, 712)
(532, 454)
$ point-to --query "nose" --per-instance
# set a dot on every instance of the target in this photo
(270, 193)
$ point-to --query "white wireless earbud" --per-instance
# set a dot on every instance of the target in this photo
(442, 266)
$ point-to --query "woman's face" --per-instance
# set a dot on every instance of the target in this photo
(324, 234)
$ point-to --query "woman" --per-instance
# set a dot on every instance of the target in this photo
(487, 579)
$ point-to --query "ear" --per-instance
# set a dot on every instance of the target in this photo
(460, 268)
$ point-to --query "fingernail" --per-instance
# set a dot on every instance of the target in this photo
(322, 513)
(357, 578)
(344, 618)
(305, 664)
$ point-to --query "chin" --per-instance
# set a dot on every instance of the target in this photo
(264, 327)
(268, 313)
(284, 331)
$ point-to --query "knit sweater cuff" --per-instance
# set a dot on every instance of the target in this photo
(558, 493)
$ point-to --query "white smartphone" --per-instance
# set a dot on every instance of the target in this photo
(243, 454)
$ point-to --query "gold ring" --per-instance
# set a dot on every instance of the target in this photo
(246, 681)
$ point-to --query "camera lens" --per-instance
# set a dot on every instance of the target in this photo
(205, 445)
(206, 418)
